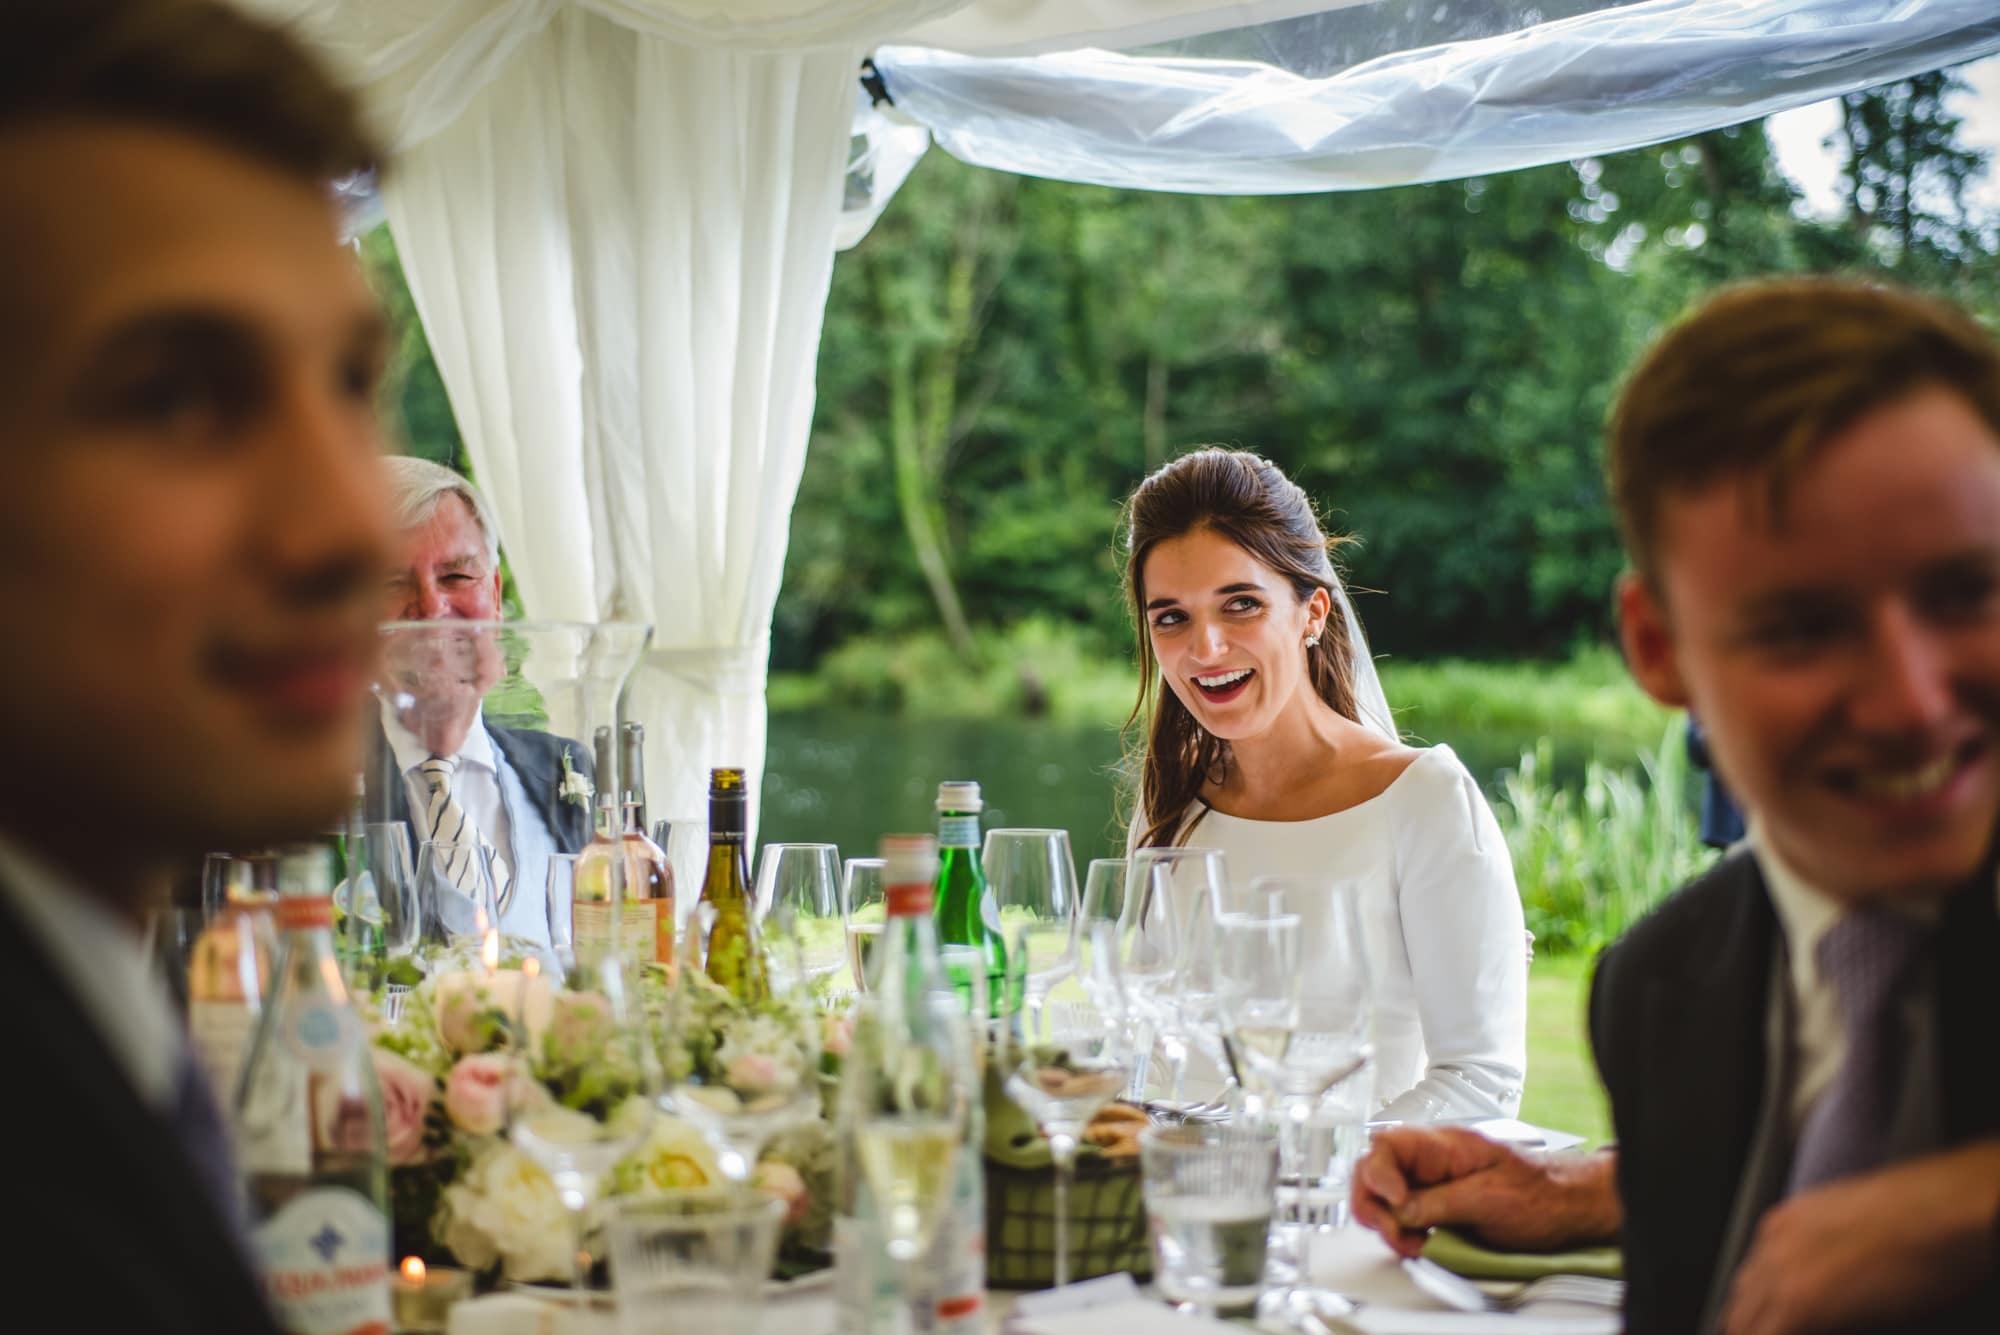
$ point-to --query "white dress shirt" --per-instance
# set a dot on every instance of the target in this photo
(1441, 919)
(498, 805)
(103, 959)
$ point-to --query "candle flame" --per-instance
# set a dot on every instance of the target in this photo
(413, 1269)
(489, 950)
(531, 967)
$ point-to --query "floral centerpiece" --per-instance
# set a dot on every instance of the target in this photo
(464, 1194)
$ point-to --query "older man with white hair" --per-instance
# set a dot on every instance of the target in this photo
(455, 779)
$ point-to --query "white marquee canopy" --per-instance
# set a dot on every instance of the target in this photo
(618, 217)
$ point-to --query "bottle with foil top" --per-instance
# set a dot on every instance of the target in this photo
(310, 1130)
(620, 871)
(967, 914)
(735, 956)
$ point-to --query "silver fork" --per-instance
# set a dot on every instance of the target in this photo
(1461, 1294)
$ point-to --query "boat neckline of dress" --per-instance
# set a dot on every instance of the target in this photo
(1422, 754)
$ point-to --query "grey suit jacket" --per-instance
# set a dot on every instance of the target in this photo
(1681, 1021)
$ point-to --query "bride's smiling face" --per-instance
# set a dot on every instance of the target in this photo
(1228, 632)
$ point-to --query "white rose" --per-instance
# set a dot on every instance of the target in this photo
(511, 1202)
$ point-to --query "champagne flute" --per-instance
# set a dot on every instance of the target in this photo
(584, 1081)
(863, 913)
(1033, 879)
(1068, 1067)
(806, 879)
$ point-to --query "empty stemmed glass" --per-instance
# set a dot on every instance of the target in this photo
(585, 1078)
(762, 1076)
(805, 878)
(1292, 993)
(1033, 880)
(1071, 1060)
(862, 913)
(1162, 927)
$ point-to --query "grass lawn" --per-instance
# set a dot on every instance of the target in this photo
(1563, 1091)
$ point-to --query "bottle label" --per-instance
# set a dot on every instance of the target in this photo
(220, 1032)
(645, 934)
(958, 831)
(909, 901)
(321, 1036)
(325, 1261)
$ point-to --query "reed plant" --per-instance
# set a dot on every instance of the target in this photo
(1592, 858)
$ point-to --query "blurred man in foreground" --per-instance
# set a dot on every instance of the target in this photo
(192, 527)
(1798, 1046)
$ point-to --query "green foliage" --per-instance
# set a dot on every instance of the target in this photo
(1588, 698)
(1590, 860)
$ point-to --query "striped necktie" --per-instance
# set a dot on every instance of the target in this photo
(448, 823)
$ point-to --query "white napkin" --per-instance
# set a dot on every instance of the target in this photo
(1133, 1316)
(1395, 1321)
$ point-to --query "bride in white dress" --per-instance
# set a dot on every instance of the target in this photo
(1273, 742)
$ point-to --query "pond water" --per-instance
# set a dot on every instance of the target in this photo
(849, 778)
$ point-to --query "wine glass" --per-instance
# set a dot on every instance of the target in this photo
(585, 1078)
(684, 839)
(389, 887)
(1169, 893)
(455, 887)
(1070, 1063)
(1033, 879)
(1293, 997)
(762, 1077)
(806, 879)
(1097, 918)
(863, 913)
(559, 896)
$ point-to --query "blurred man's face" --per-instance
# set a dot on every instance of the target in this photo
(1845, 659)
(192, 520)
(444, 573)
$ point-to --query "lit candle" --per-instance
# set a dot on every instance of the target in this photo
(423, 1297)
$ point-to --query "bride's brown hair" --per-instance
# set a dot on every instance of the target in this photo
(1246, 499)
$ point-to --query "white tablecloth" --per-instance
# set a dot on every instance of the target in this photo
(1349, 1261)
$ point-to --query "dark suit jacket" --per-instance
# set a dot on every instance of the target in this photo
(536, 758)
(1678, 1016)
(117, 1230)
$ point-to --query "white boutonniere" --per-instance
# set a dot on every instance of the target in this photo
(575, 788)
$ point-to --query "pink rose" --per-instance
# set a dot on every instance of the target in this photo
(475, 1094)
(579, 1027)
(407, 1091)
(752, 1074)
(836, 1035)
(783, 1181)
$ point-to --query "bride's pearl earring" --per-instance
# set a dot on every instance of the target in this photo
(1312, 639)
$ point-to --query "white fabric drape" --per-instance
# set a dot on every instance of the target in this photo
(620, 246)
(1613, 78)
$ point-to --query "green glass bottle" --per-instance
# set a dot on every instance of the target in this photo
(735, 956)
(966, 913)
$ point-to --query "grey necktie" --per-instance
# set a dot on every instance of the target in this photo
(1868, 957)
